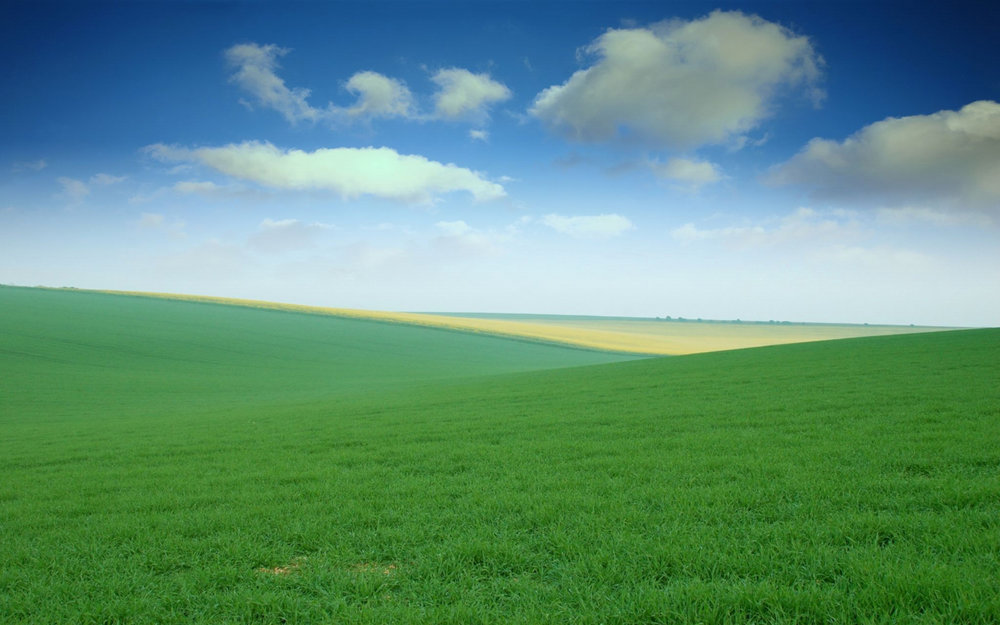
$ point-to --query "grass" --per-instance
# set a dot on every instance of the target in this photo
(852, 481)
(614, 334)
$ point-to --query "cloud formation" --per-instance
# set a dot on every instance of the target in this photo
(589, 226)
(349, 172)
(378, 96)
(255, 73)
(462, 94)
(950, 159)
(681, 83)
(692, 173)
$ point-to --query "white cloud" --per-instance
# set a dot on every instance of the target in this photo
(350, 172)
(686, 171)
(479, 135)
(681, 83)
(73, 189)
(379, 96)
(106, 179)
(255, 73)
(592, 226)
(947, 160)
(462, 94)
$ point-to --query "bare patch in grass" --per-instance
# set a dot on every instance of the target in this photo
(287, 569)
(375, 567)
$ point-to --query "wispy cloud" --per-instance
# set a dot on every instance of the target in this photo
(458, 237)
(804, 227)
(73, 189)
(38, 165)
(106, 179)
(589, 226)
(460, 95)
(256, 67)
(158, 221)
(922, 214)
(681, 83)
(286, 235)
(349, 172)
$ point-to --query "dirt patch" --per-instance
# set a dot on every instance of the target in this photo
(287, 569)
(375, 567)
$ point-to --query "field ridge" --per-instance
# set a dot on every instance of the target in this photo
(614, 334)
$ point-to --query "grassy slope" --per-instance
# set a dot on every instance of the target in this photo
(852, 481)
(74, 349)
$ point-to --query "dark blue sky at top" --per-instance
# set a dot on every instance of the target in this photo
(83, 77)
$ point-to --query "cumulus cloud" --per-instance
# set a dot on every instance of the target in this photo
(681, 83)
(688, 172)
(589, 226)
(949, 159)
(379, 96)
(479, 135)
(349, 172)
(462, 94)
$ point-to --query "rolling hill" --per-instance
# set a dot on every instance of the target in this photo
(177, 462)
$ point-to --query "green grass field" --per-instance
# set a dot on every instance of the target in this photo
(176, 462)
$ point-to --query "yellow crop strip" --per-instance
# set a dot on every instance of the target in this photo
(639, 336)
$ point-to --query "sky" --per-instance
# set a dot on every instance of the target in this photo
(803, 161)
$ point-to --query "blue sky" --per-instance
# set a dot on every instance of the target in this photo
(801, 161)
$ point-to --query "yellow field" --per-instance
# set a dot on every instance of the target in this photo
(640, 336)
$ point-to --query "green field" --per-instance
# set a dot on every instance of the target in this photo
(178, 462)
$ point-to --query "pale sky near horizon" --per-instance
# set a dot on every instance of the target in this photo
(805, 161)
